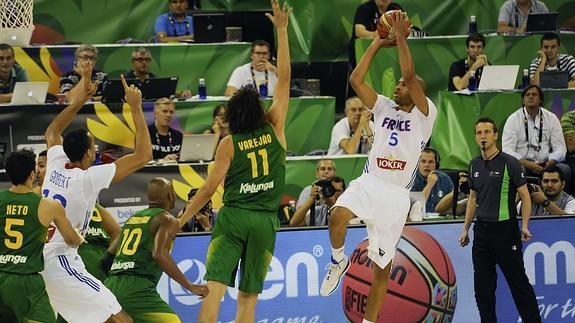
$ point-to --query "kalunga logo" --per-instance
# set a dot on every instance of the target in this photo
(391, 164)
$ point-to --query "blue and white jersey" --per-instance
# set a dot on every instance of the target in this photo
(77, 189)
(399, 138)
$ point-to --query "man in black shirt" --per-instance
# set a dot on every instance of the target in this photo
(365, 22)
(494, 179)
(141, 59)
(461, 70)
(166, 141)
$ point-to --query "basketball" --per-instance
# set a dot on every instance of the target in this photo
(422, 285)
(384, 27)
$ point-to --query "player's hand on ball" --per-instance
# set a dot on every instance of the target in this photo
(401, 24)
(280, 16)
(463, 239)
(387, 43)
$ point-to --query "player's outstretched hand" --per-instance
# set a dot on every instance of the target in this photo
(85, 89)
(200, 290)
(133, 95)
(280, 16)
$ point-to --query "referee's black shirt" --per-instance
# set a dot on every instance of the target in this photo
(495, 182)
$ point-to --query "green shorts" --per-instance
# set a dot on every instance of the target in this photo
(91, 255)
(23, 298)
(249, 236)
(140, 299)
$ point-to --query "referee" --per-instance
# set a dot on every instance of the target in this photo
(495, 178)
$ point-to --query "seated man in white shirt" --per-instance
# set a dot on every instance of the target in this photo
(258, 71)
(352, 134)
(534, 136)
(550, 198)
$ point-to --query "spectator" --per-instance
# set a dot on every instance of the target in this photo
(460, 71)
(10, 73)
(166, 141)
(533, 135)
(352, 134)
(202, 221)
(365, 22)
(550, 198)
(140, 71)
(549, 59)
(175, 25)
(322, 204)
(324, 169)
(256, 72)
(84, 52)
(220, 126)
(568, 126)
(446, 202)
(513, 14)
(434, 183)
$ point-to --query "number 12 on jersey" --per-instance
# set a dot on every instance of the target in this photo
(263, 153)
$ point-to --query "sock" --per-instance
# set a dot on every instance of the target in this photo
(337, 254)
(366, 321)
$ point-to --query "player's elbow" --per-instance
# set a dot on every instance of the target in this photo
(74, 240)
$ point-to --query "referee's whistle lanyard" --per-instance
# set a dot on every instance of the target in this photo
(526, 127)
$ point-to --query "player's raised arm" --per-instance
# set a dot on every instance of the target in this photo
(278, 111)
(401, 26)
(143, 152)
(77, 96)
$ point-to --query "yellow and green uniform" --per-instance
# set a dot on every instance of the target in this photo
(23, 296)
(134, 273)
(246, 225)
(97, 242)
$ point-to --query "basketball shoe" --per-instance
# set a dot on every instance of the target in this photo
(333, 277)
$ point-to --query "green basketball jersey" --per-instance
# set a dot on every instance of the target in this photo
(21, 233)
(96, 234)
(256, 176)
(134, 253)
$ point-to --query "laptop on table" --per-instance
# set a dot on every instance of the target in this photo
(541, 22)
(152, 89)
(209, 28)
(554, 79)
(29, 93)
(198, 147)
(498, 77)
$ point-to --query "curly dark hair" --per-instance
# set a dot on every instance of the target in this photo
(245, 112)
(19, 165)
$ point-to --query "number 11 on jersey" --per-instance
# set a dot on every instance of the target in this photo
(254, 160)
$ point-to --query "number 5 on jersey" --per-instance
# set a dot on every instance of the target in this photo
(393, 140)
(11, 224)
(263, 153)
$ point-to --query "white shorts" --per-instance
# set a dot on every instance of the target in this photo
(76, 294)
(383, 207)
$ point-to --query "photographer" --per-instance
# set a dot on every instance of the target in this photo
(549, 198)
(203, 220)
(434, 184)
(324, 169)
(327, 191)
(446, 202)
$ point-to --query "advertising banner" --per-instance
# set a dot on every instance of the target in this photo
(432, 279)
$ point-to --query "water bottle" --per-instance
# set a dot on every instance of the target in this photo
(525, 80)
(263, 90)
(472, 82)
(202, 89)
(472, 25)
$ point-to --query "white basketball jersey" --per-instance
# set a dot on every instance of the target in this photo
(77, 189)
(399, 137)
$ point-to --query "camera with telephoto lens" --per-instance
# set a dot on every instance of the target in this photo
(327, 189)
(464, 187)
(532, 183)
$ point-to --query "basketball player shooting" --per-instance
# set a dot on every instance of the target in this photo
(402, 128)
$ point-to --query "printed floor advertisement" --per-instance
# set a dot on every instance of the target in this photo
(432, 278)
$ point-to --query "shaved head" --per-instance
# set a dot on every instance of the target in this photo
(160, 192)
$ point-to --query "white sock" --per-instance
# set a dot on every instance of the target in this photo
(337, 254)
(366, 321)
